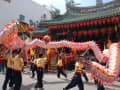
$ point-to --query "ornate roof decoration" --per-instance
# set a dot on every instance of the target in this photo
(41, 30)
(76, 14)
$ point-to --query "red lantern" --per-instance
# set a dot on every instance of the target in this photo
(108, 20)
(71, 25)
(62, 26)
(103, 31)
(64, 33)
(80, 33)
(110, 30)
(88, 23)
(90, 32)
(84, 23)
(96, 32)
(85, 33)
(49, 27)
(74, 25)
(117, 20)
(58, 27)
(67, 25)
(91, 22)
(81, 24)
(95, 22)
(75, 33)
(77, 25)
(100, 22)
(113, 19)
(103, 21)
(54, 27)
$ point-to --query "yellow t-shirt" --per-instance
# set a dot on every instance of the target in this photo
(35, 62)
(9, 61)
(59, 63)
(48, 51)
(40, 62)
(78, 67)
(18, 63)
(31, 52)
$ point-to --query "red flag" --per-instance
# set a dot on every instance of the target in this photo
(104, 46)
(109, 42)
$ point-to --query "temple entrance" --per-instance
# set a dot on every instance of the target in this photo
(52, 59)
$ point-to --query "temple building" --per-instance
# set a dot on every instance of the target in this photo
(79, 24)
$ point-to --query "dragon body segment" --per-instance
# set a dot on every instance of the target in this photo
(104, 74)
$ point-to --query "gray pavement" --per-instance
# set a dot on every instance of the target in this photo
(51, 82)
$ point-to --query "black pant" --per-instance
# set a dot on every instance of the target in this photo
(2, 67)
(17, 80)
(100, 87)
(60, 71)
(75, 81)
(95, 81)
(33, 68)
(8, 77)
(39, 78)
(85, 76)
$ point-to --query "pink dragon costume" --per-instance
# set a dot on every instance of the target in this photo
(104, 74)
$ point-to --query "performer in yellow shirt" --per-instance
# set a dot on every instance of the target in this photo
(18, 65)
(32, 67)
(77, 76)
(9, 71)
(40, 63)
(60, 68)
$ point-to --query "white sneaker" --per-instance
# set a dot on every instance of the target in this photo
(3, 72)
(35, 88)
(11, 88)
(41, 89)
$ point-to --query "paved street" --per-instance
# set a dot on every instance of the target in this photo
(51, 82)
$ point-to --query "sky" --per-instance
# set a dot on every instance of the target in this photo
(60, 4)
